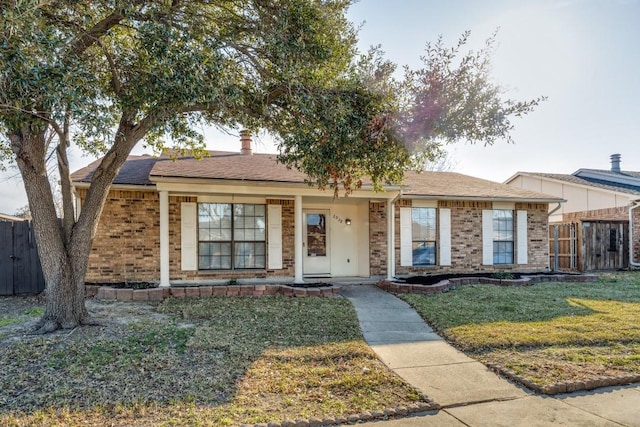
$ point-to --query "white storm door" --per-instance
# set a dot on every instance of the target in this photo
(316, 257)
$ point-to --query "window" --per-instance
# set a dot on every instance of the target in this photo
(423, 232)
(502, 236)
(231, 236)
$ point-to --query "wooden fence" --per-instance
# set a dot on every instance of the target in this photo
(20, 270)
(589, 245)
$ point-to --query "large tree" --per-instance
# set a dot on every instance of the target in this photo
(107, 74)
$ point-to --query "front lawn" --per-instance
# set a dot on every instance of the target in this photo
(546, 333)
(201, 362)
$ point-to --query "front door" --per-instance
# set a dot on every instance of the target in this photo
(316, 243)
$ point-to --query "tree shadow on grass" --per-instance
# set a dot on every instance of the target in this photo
(211, 357)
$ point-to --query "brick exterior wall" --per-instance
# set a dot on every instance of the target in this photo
(466, 239)
(126, 247)
(377, 239)
(538, 235)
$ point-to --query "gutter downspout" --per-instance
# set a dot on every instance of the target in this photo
(554, 209)
(636, 204)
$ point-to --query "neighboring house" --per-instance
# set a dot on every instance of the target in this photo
(585, 190)
(243, 215)
(603, 204)
(10, 218)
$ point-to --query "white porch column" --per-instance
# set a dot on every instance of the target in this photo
(391, 239)
(298, 239)
(164, 239)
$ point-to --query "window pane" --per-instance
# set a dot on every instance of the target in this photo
(503, 252)
(214, 256)
(424, 253)
(249, 255)
(423, 224)
(214, 221)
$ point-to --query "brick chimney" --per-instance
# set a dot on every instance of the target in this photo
(615, 163)
(245, 139)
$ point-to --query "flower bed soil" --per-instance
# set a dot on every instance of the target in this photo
(310, 285)
(125, 285)
(434, 279)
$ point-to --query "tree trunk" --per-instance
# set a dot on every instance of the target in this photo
(64, 250)
(64, 302)
(63, 264)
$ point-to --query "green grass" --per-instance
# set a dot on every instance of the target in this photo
(216, 361)
(545, 332)
(12, 320)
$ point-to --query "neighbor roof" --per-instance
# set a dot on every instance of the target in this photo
(233, 166)
(632, 174)
(572, 179)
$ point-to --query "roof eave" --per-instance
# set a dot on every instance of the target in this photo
(133, 187)
(480, 198)
(173, 179)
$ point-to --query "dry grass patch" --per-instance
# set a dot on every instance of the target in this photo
(546, 333)
(202, 362)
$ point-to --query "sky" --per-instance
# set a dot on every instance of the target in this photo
(583, 55)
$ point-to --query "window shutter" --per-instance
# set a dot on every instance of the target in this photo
(445, 236)
(189, 236)
(522, 238)
(487, 237)
(274, 251)
(406, 251)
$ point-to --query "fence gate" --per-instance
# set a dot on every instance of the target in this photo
(563, 246)
(605, 245)
(20, 270)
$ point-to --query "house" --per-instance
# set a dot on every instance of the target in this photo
(586, 190)
(243, 215)
(10, 218)
(602, 205)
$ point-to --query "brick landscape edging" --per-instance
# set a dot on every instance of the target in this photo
(566, 386)
(160, 294)
(398, 412)
(450, 284)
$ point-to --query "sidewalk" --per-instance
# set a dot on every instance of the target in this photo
(468, 393)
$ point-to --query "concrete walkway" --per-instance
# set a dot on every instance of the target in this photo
(468, 393)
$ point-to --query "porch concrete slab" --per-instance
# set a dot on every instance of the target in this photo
(420, 354)
(460, 384)
(619, 404)
(528, 411)
(428, 419)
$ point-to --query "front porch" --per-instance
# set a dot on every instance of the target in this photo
(308, 235)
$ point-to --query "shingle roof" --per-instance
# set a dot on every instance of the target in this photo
(144, 170)
(227, 165)
(451, 184)
(621, 188)
(134, 171)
